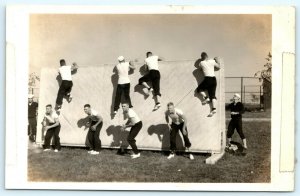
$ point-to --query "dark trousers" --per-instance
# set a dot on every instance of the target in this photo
(122, 88)
(135, 129)
(64, 90)
(209, 84)
(154, 77)
(173, 134)
(93, 137)
(32, 128)
(50, 133)
(235, 124)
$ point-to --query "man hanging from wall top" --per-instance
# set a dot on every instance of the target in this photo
(209, 83)
(153, 76)
(32, 113)
(65, 88)
(123, 82)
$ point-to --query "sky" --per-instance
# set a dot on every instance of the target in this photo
(243, 41)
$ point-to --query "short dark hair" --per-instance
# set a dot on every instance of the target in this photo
(170, 103)
(148, 53)
(87, 106)
(126, 103)
(203, 56)
(62, 62)
(49, 105)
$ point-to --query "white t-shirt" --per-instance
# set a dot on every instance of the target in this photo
(50, 118)
(123, 69)
(208, 67)
(93, 115)
(176, 116)
(65, 72)
(152, 62)
(132, 116)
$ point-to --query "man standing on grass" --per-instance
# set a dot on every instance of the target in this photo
(32, 113)
(95, 124)
(65, 88)
(51, 127)
(209, 83)
(123, 82)
(179, 122)
(237, 109)
(153, 76)
(136, 125)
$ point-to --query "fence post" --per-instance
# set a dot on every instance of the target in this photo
(242, 84)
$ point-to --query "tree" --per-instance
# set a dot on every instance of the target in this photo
(33, 77)
(266, 74)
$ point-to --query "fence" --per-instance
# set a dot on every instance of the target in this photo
(250, 89)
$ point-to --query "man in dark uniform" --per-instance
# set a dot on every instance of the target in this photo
(237, 109)
(32, 113)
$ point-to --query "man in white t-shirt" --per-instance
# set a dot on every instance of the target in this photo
(136, 125)
(209, 83)
(123, 82)
(153, 76)
(95, 124)
(179, 122)
(51, 127)
(65, 87)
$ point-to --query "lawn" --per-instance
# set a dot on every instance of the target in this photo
(76, 165)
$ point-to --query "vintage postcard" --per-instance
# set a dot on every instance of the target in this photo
(180, 98)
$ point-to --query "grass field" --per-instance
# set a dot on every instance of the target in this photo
(76, 165)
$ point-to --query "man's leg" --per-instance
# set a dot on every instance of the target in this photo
(60, 95)
(117, 98)
(68, 91)
(187, 142)
(186, 139)
(239, 128)
(91, 138)
(97, 141)
(230, 131)
(33, 125)
(173, 135)
(143, 81)
(155, 77)
(131, 137)
(127, 94)
(202, 88)
(48, 137)
(56, 137)
(212, 95)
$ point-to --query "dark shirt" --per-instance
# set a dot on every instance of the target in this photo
(32, 110)
(238, 107)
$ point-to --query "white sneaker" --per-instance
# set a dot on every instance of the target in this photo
(115, 112)
(171, 156)
(157, 106)
(55, 150)
(134, 156)
(90, 151)
(205, 101)
(150, 90)
(47, 149)
(70, 98)
(192, 157)
(212, 113)
(94, 152)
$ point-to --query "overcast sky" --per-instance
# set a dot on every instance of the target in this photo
(243, 41)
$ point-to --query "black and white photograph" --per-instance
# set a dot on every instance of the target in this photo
(183, 96)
